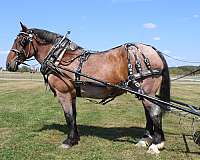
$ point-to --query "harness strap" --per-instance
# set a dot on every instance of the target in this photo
(83, 57)
(147, 73)
(138, 64)
(60, 56)
(130, 69)
(146, 60)
(56, 52)
(131, 78)
(132, 48)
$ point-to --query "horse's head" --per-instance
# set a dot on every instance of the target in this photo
(22, 49)
(33, 42)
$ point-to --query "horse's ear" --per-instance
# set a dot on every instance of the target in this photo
(24, 28)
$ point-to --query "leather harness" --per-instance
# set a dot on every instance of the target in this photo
(57, 51)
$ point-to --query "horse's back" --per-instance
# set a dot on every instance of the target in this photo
(109, 66)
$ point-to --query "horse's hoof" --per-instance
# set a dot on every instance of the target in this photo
(141, 144)
(144, 142)
(153, 149)
(65, 146)
(161, 145)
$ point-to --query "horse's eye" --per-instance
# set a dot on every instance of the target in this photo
(24, 42)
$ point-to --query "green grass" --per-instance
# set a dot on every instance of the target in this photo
(20, 75)
(32, 126)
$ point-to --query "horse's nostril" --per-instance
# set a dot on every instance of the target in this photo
(7, 66)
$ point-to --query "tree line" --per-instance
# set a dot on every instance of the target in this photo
(181, 70)
(26, 69)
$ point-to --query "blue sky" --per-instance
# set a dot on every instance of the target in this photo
(172, 26)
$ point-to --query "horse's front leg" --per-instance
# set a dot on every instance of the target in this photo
(69, 107)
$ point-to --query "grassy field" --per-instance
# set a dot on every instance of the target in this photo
(20, 76)
(32, 126)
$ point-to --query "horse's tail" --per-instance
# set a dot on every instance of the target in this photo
(165, 84)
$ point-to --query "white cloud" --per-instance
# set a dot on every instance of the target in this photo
(150, 25)
(195, 16)
(157, 38)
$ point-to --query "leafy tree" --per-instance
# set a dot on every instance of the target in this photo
(24, 69)
(183, 70)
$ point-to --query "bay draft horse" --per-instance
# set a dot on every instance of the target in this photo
(108, 66)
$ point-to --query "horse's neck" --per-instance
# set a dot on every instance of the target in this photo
(42, 53)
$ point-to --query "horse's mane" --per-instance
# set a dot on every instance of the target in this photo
(47, 36)
(51, 37)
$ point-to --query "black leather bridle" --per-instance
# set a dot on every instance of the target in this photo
(27, 39)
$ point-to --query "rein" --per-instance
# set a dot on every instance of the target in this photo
(187, 74)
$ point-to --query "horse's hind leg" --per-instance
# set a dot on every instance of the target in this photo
(155, 117)
(69, 107)
(147, 139)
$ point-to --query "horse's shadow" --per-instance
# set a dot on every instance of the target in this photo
(119, 134)
(128, 134)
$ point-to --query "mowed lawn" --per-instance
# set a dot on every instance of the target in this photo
(32, 126)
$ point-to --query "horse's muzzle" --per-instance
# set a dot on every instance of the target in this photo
(13, 66)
